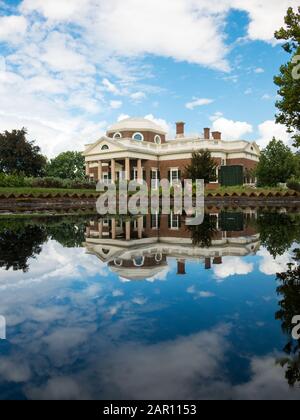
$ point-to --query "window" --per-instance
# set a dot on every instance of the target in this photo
(174, 176)
(117, 136)
(138, 137)
(157, 139)
(154, 179)
(174, 221)
(105, 147)
(155, 221)
(139, 261)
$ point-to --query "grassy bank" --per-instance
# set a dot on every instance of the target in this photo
(239, 191)
(45, 192)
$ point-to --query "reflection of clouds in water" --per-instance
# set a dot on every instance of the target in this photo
(69, 344)
(267, 382)
(55, 262)
(270, 266)
(199, 294)
(232, 266)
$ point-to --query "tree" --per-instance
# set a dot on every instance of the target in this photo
(67, 165)
(202, 166)
(288, 80)
(289, 304)
(276, 165)
(18, 155)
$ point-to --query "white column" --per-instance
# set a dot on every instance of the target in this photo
(127, 169)
(113, 171)
(139, 171)
(100, 170)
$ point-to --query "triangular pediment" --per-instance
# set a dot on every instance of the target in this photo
(252, 147)
(104, 145)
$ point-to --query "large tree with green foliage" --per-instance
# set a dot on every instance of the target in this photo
(202, 166)
(288, 80)
(277, 164)
(67, 165)
(19, 155)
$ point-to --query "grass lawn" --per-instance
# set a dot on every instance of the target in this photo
(40, 192)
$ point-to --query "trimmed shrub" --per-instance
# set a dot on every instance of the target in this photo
(10, 181)
(294, 184)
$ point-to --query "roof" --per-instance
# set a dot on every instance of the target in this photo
(136, 124)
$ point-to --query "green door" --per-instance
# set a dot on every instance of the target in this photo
(231, 176)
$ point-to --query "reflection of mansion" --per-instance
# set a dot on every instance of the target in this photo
(139, 248)
(136, 149)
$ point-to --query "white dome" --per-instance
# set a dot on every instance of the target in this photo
(136, 124)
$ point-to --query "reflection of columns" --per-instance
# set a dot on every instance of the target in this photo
(113, 171)
(99, 170)
(88, 232)
(139, 171)
(181, 268)
(218, 260)
(127, 169)
(87, 169)
(100, 229)
(113, 229)
(140, 227)
(207, 263)
(128, 231)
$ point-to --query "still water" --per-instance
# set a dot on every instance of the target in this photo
(147, 308)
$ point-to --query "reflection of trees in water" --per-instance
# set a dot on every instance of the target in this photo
(289, 291)
(278, 231)
(203, 234)
(17, 246)
(21, 240)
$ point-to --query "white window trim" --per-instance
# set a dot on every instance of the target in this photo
(137, 134)
(117, 136)
(154, 187)
(156, 215)
(217, 176)
(172, 221)
(157, 140)
(141, 264)
(172, 170)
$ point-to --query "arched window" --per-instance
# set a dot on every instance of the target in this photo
(105, 147)
(118, 263)
(138, 137)
(117, 136)
(157, 139)
(139, 261)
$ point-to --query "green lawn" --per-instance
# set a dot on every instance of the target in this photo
(38, 192)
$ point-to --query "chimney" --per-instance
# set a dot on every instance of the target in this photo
(217, 135)
(180, 129)
(218, 260)
(206, 133)
(207, 263)
(181, 268)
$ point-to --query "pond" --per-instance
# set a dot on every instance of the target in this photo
(148, 308)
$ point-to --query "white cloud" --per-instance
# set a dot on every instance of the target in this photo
(231, 130)
(138, 96)
(269, 129)
(12, 28)
(196, 102)
(58, 72)
(110, 87)
(232, 266)
(259, 70)
(270, 266)
(115, 104)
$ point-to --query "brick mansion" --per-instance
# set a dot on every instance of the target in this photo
(137, 148)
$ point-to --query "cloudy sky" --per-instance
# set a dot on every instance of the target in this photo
(70, 68)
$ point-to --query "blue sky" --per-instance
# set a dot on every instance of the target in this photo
(68, 69)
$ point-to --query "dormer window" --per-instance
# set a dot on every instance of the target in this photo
(117, 136)
(157, 139)
(138, 137)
